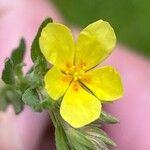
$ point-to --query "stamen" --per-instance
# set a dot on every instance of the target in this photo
(75, 71)
(80, 77)
(67, 72)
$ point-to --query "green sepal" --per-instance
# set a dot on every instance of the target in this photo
(60, 138)
(35, 48)
(98, 144)
(107, 118)
(99, 135)
(76, 136)
(78, 146)
(17, 55)
(31, 98)
(8, 75)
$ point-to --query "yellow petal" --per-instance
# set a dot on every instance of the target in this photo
(56, 83)
(79, 107)
(104, 82)
(95, 43)
(56, 43)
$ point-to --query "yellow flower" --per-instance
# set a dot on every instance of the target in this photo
(72, 76)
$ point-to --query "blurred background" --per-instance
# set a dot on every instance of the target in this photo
(130, 18)
(131, 22)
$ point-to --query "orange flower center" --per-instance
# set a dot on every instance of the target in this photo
(76, 71)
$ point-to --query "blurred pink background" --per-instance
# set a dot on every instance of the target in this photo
(28, 131)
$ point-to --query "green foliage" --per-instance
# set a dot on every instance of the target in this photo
(86, 138)
(35, 76)
(20, 88)
(37, 99)
(14, 64)
(78, 139)
(8, 73)
(107, 118)
(128, 17)
(31, 97)
(40, 67)
(47, 104)
(98, 133)
(35, 48)
(61, 139)
(18, 70)
(17, 55)
(3, 100)
(14, 98)
(10, 95)
(12, 75)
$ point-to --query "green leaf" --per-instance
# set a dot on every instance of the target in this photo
(3, 102)
(98, 134)
(107, 140)
(40, 66)
(88, 129)
(34, 79)
(107, 118)
(14, 64)
(18, 70)
(98, 144)
(35, 49)
(31, 98)
(79, 137)
(47, 104)
(102, 137)
(60, 137)
(14, 98)
(8, 73)
(36, 76)
(78, 146)
(17, 55)
(12, 75)
(11, 96)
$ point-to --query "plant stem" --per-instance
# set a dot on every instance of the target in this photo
(52, 116)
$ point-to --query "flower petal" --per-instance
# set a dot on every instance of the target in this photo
(56, 83)
(95, 43)
(79, 107)
(104, 82)
(56, 43)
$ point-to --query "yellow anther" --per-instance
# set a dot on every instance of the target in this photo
(76, 74)
(67, 72)
(75, 78)
(75, 71)
(80, 77)
(73, 67)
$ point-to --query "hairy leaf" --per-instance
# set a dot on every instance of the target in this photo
(31, 98)
(107, 118)
(60, 137)
(79, 137)
(17, 55)
(8, 73)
